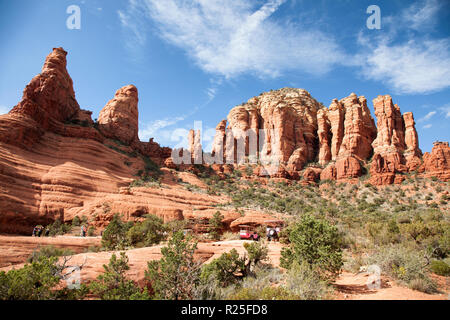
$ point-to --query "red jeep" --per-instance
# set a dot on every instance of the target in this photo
(246, 233)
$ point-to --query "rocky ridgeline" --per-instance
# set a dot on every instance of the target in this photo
(335, 143)
(48, 104)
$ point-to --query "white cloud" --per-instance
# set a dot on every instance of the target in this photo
(445, 110)
(4, 109)
(420, 15)
(235, 37)
(427, 116)
(411, 67)
(416, 66)
(427, 126)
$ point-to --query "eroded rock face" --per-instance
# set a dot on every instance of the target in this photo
(324, 135)
(119, 118)
(50, 97)
(437, 163)
(359, 128)
(396, 146)
(287, 119)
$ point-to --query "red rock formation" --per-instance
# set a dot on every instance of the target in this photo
(336, 115)
(312, 174)
(288, 122)
(119, 118)
(359, 128)
(324, 135)
(437, 163)
(50, 97)
(396, 146)
(329, 173)
(352, 130)
(412, 153)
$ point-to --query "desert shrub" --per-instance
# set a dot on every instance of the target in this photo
(58, 228)
(230, 268)
(227, 269)
(76, 221)
(383, 232)
(113, 285)
(176, 275)
(146, 233)
(267, 293)
(91, 231)
(316, 242)
(305, 283)
(402, 263)
(230, 236)
(114, 236)
(47, 252)
(175, 225)
(440, 267)
(37, 281)
(216, 225)
(423, 284)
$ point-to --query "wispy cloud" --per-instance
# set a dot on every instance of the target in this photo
(427, 116)
(155, 126)
(231, 38)
(235, 37)
(445, 110)
(427, 126)
(420, 15)
(411, 67)
(416, 65)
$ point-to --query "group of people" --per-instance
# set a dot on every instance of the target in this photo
(272, 233)
(40, 230)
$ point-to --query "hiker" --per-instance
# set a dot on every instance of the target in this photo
(46, 232)
(83, 231)
(34, 234)
(271, 234)
(39, 231)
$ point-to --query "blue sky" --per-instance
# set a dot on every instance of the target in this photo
(195, 60)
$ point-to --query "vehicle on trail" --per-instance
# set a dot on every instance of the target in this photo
(247, 233)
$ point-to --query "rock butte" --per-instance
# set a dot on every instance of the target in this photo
(57, 163)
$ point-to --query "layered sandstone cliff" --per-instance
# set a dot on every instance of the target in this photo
(396, 149)
(55, 163)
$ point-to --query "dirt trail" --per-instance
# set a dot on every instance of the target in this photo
(14, 250)
(351, 286)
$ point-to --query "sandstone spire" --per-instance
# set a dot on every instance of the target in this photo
(119, 118)
(50, 97)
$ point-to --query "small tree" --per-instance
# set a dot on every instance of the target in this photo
(316, 242)
(229, 268)
(114, 237)
(216, 225)
(38, 281)
(176, 275)
(113, 285)
(147, 233)
(76, 221)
